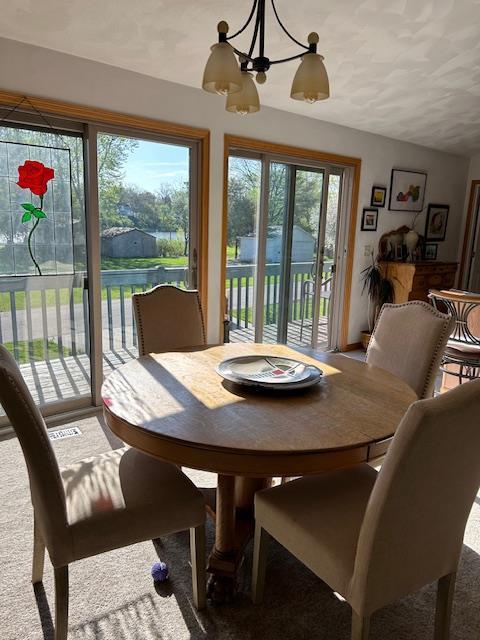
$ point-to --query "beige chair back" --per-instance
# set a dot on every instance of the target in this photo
(413, 527)
(167, 319)
(46, 487)
(409, 340)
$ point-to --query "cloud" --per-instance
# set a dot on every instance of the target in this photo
(164, 174)
(183, 163)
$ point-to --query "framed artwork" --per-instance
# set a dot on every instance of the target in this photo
(379, 195)
(369, 219)
(436, 224)
(431, 251)
(407, 190)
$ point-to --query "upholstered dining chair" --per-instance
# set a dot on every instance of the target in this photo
(98, 504)
(373, 537)
(409, 341)
(168, 318)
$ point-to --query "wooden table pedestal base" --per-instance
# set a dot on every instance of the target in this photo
(234, 525)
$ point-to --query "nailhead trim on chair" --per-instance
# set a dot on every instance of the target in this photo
(437, 355)
(150, 292)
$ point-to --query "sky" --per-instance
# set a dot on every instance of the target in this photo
(152, 164)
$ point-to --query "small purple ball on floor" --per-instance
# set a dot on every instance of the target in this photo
(160, 572)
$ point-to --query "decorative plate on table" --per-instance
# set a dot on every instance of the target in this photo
(269, 372)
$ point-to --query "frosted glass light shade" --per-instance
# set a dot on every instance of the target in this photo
(311, 81)
(246, 100)
(222, 74)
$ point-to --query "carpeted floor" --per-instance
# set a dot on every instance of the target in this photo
(113, 596)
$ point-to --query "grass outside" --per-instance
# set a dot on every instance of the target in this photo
(35, 350)
(113, 264)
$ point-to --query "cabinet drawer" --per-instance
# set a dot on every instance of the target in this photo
(434, 280)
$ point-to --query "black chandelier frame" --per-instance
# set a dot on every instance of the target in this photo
(262, 63)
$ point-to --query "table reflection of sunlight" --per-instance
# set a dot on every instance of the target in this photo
(124, 399)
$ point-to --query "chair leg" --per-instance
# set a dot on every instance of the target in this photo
(443, 613)
(61, 603)
(260, 548)
(199, 574)
(38, 554)
(360, 627)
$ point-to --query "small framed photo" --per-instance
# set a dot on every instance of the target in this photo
(407, 190)
(431, 249)
(436, 225)
(369, 219)
(379, 195)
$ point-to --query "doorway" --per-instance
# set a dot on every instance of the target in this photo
(44, 303)
(147, 195)
(469, 276)
(283, 240)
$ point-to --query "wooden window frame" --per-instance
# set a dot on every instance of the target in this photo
(232, 142)
(467, 237)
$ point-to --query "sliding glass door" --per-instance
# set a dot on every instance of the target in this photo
(66, 279)
(44, 306)
(146, 194)
(289, 251)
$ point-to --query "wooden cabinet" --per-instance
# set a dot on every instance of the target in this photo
(413, 280)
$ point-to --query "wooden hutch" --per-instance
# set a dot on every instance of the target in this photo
(413, 280)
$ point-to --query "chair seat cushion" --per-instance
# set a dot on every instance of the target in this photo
(318, 519)
(124, 496)
(462, 350)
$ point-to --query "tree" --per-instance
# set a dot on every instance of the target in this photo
(112, 154)
(141, 207)
(180, 199)
(241, 210)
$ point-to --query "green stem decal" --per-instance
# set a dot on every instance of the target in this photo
(37, 220)
(38, 214)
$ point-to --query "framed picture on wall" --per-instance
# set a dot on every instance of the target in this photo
(431, 249)
(436, 224)
(379, 195)
(407, 190)
(369, 219)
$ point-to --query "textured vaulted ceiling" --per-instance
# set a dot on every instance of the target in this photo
(408, 69)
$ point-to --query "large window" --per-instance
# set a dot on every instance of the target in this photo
(282, 224)
(44, 314)
(146, 232)
(71, 256)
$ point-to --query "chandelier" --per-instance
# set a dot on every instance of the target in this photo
(225, 76)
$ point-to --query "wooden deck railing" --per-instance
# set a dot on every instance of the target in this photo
(240, 293)
(46, 317)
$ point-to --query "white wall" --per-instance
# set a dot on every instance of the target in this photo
(474, 169)
(45, 73)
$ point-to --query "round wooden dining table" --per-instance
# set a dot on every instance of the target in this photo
(176, 407)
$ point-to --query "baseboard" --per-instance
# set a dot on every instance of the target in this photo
(353, 346)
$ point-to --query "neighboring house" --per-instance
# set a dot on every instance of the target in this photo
(303, 245)
(128, 242)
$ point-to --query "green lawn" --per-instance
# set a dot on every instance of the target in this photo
(36, 350)
(110, 264)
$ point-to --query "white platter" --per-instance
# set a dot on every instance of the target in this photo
(269, 372)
